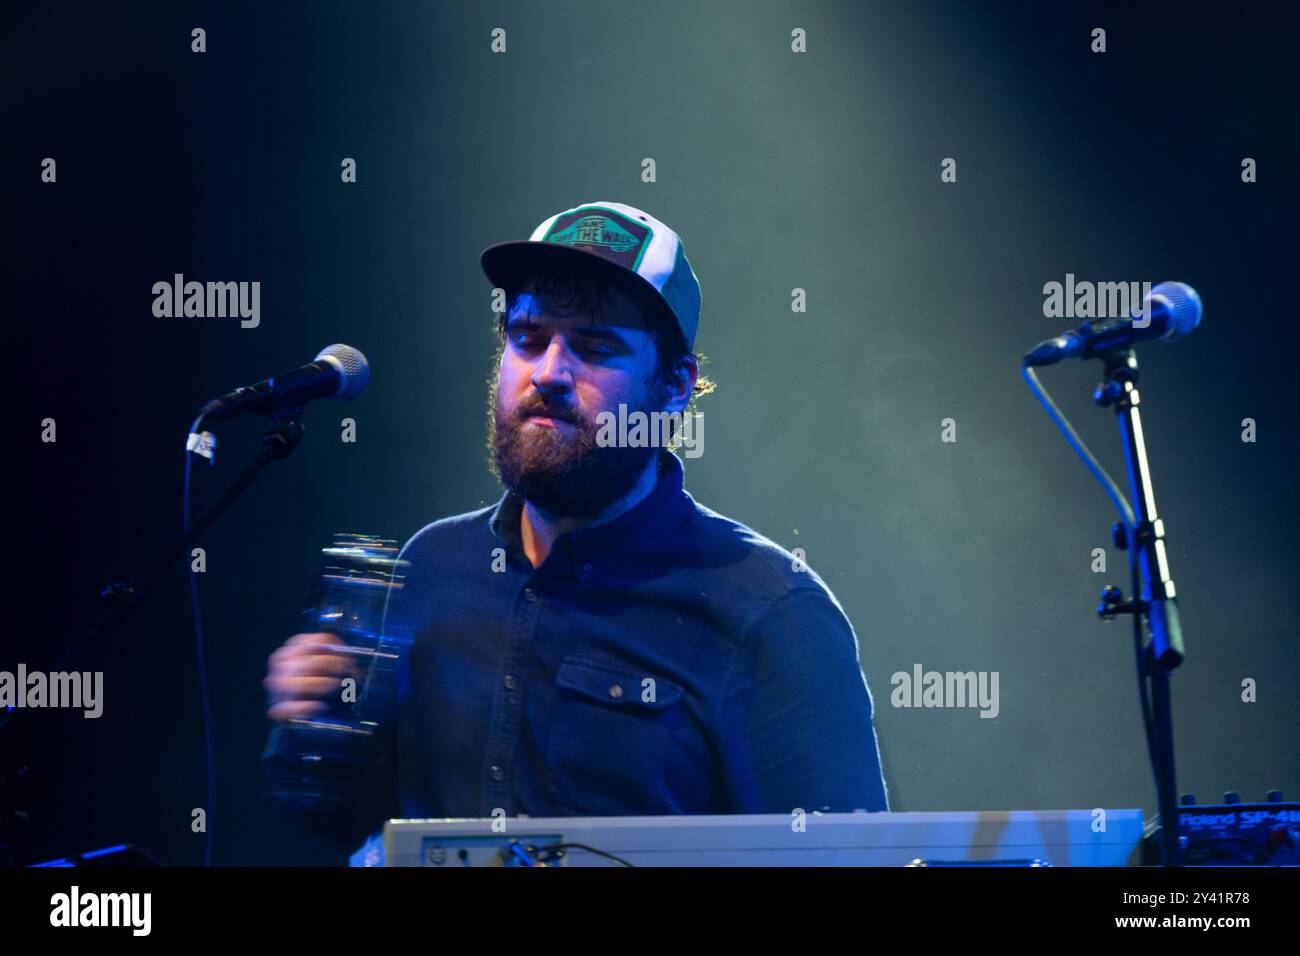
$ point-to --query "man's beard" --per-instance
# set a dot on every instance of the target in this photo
(563, 472)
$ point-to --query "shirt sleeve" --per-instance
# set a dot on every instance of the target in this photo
(796, 714)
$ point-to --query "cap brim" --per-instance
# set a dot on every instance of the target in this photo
(509, 264)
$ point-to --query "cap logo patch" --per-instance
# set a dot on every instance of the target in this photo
(596, 231)
(620, 239)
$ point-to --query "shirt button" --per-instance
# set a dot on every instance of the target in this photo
(586, 568)
(530, 594)
(616, 691)
(511, 682)
(497, 773)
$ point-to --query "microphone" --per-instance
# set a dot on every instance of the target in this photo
(1174, 311)
(339, 371)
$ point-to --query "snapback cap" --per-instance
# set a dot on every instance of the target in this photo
(613, 242)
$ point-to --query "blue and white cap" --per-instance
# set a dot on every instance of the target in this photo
(613, 242)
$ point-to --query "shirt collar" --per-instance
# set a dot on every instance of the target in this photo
(584, 551)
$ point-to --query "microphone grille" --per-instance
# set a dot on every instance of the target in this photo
(1184, 309)
(354, 372)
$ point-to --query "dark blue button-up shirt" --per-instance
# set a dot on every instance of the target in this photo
(669, 661)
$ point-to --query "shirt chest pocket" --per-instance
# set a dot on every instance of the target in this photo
(608, 741)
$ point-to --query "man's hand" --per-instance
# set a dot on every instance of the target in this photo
(304, 678)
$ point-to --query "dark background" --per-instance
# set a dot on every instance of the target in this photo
(818, 171)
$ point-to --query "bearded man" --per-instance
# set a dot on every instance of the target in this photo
(597, 642)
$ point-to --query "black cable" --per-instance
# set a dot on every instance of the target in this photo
(1144, 701)
(579, 846)
(209, 729)
(1072, 438)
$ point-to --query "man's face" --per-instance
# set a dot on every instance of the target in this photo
(558, 371)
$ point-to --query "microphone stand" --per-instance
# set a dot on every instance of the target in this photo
(1155, 602)
(122, 597)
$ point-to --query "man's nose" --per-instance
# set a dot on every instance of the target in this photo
(553, 372)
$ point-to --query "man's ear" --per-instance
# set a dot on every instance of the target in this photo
(681, 384)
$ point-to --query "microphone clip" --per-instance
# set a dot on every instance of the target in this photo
(1121, 373)
(282, 437)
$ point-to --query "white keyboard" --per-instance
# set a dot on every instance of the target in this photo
(1017, 837)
